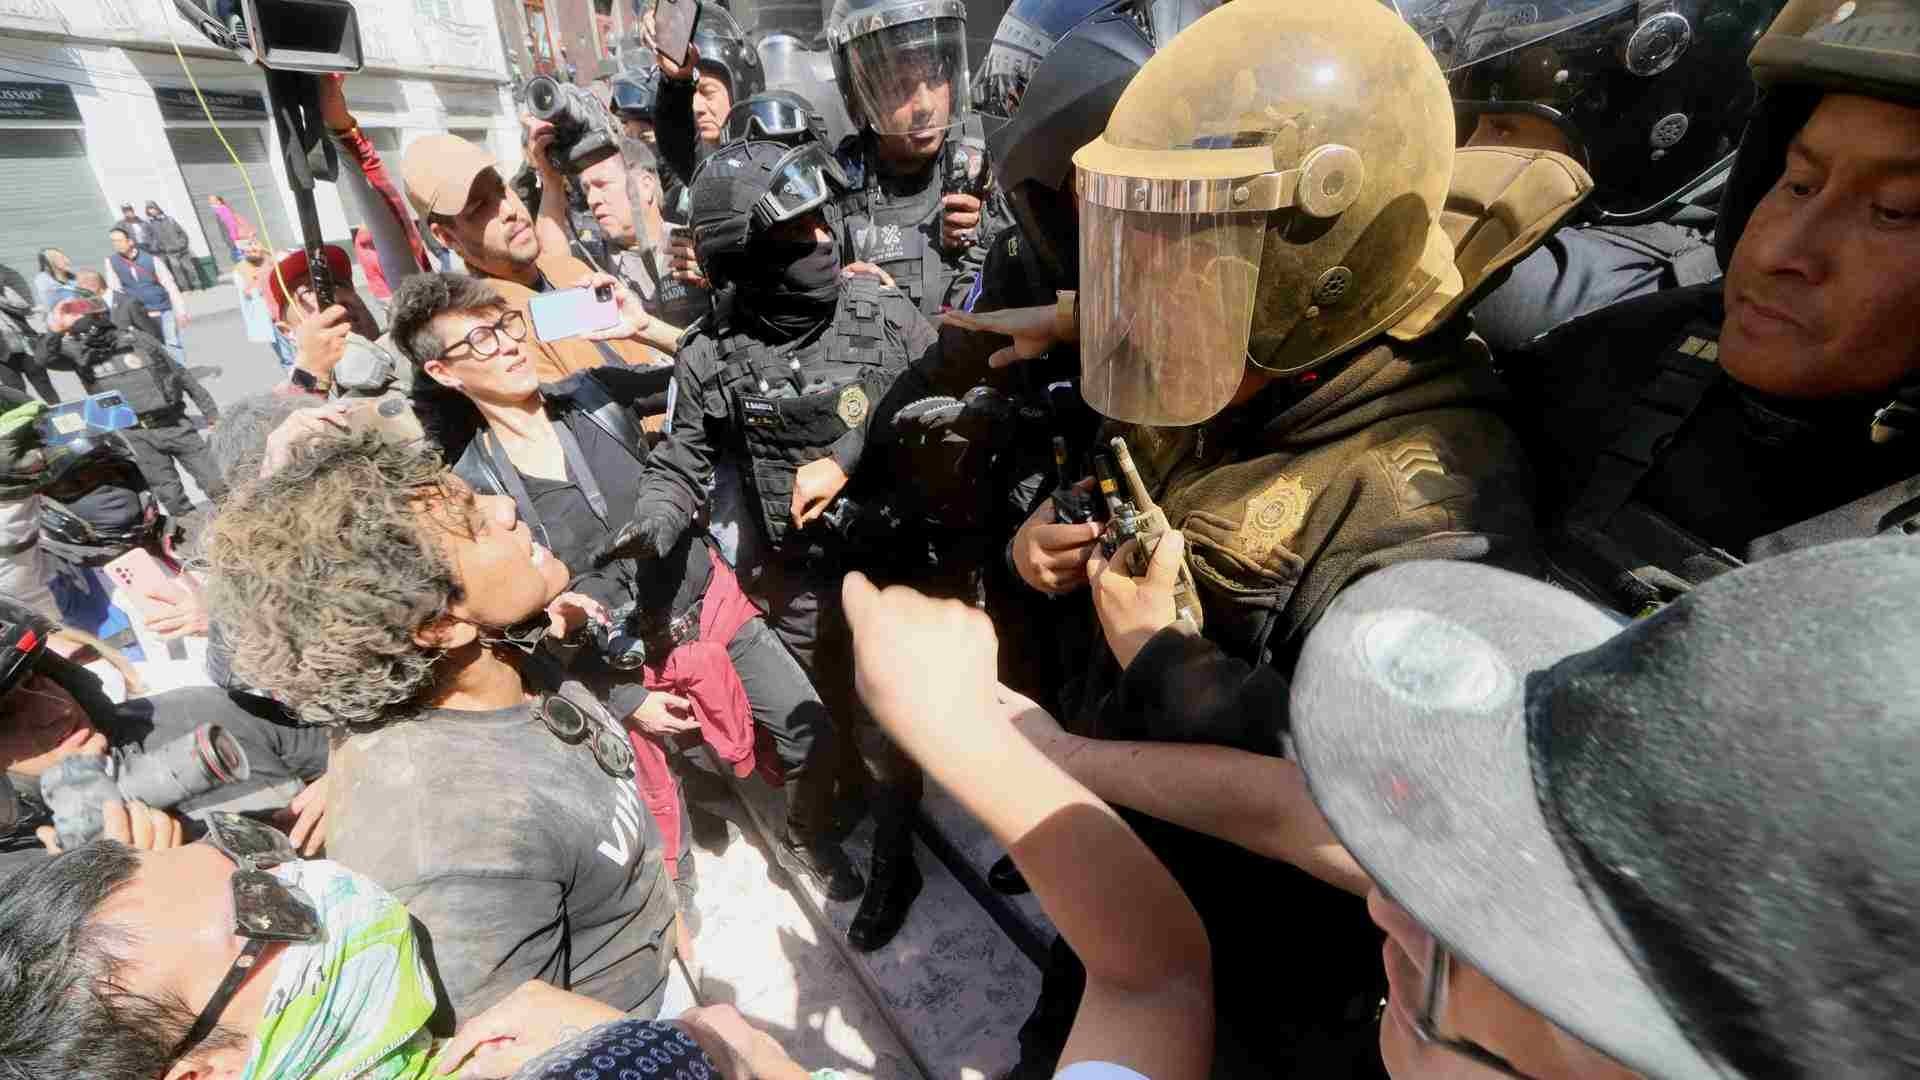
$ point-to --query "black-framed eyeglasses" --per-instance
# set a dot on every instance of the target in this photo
(484, 340)
(1433, 1005)
(572, 725)
(266, 910)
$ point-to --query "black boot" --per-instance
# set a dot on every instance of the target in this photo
(896, 882)
(822, 861)
(806, 848)
(1006, 878)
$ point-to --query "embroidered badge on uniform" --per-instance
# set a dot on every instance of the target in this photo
(1274, 517)
(133, 361)
(853, 406)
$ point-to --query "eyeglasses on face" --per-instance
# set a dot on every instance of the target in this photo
(484, 341)
(1433, 1007)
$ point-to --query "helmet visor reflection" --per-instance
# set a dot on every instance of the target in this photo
(1166, 307)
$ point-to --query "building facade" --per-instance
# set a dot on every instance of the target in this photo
(96, 110)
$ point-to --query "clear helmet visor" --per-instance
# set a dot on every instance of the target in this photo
(1465, 32)
(1166, 307)
(910, 78)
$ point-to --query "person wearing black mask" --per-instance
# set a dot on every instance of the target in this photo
(783, 382)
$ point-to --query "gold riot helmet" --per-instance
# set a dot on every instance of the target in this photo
(1267, 191)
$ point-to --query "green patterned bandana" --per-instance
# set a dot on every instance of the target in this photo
(354, 1006)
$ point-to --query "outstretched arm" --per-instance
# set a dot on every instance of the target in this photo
(1149, 997)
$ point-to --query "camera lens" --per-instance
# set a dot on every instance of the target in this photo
(603, 294)
(543, 96)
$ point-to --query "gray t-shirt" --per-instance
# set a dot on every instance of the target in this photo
(517, 853)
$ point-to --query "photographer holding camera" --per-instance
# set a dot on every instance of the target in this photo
(455, 186)
(55, 711)
(570, 454)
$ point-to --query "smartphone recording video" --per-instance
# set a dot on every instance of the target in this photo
(567, 313)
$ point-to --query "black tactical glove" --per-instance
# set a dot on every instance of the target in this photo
(643, 538)
(23, 465)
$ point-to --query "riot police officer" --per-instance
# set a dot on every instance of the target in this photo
(919, 208)
(634, 95)
(1684, 434)
(1263, 315)
(139, 367)
(782, 382)
(1649, 98)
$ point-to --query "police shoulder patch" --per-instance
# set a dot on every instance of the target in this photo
(853, 405)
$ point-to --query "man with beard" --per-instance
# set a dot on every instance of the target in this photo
(454, 186)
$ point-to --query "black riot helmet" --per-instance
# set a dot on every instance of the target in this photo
(725, 48)
(744, 189)
(1064, 104)
(1650, 94)
(635, 92)
(775, 116)
(886, 51)
(1030, 29)
(23, 638)
(96, 505)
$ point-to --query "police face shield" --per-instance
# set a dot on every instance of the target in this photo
(804, 179)
(911, 78)
(1461, 33)
(1170, 246)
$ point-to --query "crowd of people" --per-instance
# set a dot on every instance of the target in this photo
(1392, 514)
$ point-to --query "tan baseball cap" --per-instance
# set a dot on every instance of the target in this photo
(439, 171)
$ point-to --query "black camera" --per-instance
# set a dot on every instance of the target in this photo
(284, 35)
(583, 130)
(619, 647)
(76, 788)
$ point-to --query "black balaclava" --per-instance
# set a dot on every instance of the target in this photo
(793, 286)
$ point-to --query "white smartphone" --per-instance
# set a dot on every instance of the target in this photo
(566, 313)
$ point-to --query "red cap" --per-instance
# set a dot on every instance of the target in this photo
(294, 267)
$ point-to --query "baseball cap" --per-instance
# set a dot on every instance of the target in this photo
(1690, 842)
(294, 267)
(439, 171)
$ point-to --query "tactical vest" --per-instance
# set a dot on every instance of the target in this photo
(139, 277)
(1621, 553)
(900, 233)
(144, 379)
(791, 402)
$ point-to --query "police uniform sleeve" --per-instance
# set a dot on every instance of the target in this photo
(673, 125)
(156, 354)
(1182, 688)
(680, 470)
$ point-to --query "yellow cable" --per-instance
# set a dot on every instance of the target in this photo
(253, 197)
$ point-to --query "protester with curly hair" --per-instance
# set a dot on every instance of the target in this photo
(366, 585)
